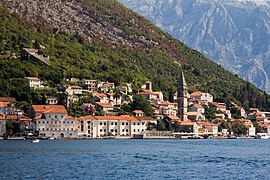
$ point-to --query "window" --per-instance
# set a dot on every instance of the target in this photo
(112, 130)
(143, 123)
(47, 122)
(138, 123)
(127, 123)
(104, 130)
(123, 130)
(115, 130)
(43, 122)
(68, 122)
(55, 116)
(126, 130)
(112, 123)
(62, 116)
(138, 130)
(88, 122)
(100, 123)
(100, 130)
(88, 127)
(104, 123)
(88, 131)
(123, 124)
(49, 116)
(116, 123)
(134, 130)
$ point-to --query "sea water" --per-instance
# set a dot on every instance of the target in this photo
(135, 159)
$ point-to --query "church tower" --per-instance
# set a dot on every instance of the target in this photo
(182, 98)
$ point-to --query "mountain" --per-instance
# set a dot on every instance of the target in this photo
(104, 40)
(235, 34)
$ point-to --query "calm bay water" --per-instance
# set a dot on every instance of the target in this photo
(135, 159)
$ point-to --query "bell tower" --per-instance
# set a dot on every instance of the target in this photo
(182, 98)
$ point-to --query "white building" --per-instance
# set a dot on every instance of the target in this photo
(167, 108)
(7, 108)
(197, 108)
(89, 84)
(74, 90)
(201, 97)
(34, 82)
(53, 121)
(100, 126)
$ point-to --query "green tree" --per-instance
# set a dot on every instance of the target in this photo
(239, 129)
(140, 103)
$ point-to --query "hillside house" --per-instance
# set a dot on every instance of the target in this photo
(34, 82)
(201, 97)
(197, 108)
(52, 100)
(106, 87)
(90, 85)
(147, 94)
(74, 90)
(138, 113)
(104, 106)
(101, 98)
(195, 116)
(167, 108)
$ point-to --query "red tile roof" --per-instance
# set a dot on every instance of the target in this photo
(198, 106)
(7, 99)
(196, 94)
(105, 105)
(145, 118)
(206, 124)
(76, 87)
(4, 104)
(138, 112)
(187, 123)
(54, 109)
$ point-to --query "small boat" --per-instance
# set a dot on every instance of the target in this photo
(35, 141)
(262, 136)
(51, 138)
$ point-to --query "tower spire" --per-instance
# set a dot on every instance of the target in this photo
(182, 98)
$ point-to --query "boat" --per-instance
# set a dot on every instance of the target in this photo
(51, 138)
(262, 136)
(35, 141)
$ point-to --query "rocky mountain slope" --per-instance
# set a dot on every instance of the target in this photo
(104, 40)
(235, 34)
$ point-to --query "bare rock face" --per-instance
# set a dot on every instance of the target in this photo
(76, 17)
(235, 34)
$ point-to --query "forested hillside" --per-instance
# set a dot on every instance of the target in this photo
(133, 50)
